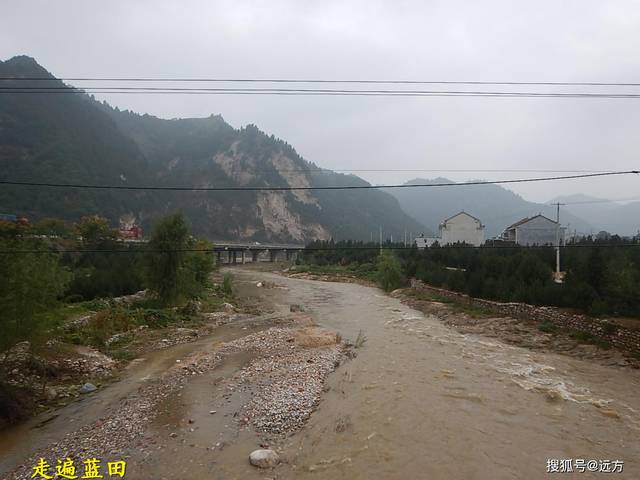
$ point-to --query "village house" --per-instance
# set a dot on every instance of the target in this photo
(460, 228)
(538, 230)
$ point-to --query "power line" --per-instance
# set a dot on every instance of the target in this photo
(319, 81)
(603, 200)
(310, 249)
(436, 170)
(330, 187)
(311, 92)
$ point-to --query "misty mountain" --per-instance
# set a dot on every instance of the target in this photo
(494, 205)
(614, 217)
(68, 137)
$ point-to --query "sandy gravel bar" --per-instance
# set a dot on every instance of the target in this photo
(286, 378)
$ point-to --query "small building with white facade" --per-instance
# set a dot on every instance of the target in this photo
(424, 242)
(462, 228)
(537, 230)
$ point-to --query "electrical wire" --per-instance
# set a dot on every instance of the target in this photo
(312, 92)
(316, 80)
(305, 249)
(329, 187)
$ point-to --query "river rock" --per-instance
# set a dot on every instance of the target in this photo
(88, 388)
(264, 458)
(51, 393)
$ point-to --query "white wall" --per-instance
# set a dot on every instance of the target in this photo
(462, 228)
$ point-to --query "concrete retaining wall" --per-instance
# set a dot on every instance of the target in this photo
(621, 337)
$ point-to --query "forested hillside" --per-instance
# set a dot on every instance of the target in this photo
(71, 138)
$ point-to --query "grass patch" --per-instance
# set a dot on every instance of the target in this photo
(427, 297)
(548, 327)
(120, 319)
(217, 295)
(588, 338)
(365, 271)
(60, 314)
(458, 306)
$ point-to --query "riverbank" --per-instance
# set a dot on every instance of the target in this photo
(474, 316)
(93, 342)
(523, 331)
(272, 389)
(420, 399)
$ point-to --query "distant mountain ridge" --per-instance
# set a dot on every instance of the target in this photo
(613, 217)
(496, 206)
(71, 138)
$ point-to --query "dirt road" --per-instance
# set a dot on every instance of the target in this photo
(419, 401)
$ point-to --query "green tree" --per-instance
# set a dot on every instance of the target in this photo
(30, 284)
(198, 266)
(93, 229)
(389, 271)
(52, 226)
(165, 259)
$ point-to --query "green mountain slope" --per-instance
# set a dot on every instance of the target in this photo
(62, 138)
(71, 138)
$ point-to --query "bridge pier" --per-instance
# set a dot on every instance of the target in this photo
(243, 257)
(254, 255)
(273, 255)
(218, 258)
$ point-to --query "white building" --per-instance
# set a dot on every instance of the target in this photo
(537, 230)
(424, 242)
(462, 227)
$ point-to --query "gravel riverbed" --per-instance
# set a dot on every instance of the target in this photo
(286, 378)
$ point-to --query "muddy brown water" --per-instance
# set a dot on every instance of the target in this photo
(423, 401)
(419, 401)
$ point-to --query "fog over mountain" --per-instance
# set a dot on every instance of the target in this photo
(622, 218)
(493, 40)
(71, 138)
(496, 206)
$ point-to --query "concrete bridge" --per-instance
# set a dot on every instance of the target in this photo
(239, 252)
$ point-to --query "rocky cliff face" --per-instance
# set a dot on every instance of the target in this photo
(74, 139)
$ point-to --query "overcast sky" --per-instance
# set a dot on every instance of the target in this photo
(549, 40)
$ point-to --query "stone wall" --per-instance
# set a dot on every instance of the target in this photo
(618, 336)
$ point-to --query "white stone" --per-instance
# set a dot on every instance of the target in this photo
(264, 458)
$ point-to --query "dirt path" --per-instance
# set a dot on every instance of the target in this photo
(419, 401)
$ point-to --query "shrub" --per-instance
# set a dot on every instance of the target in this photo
(389, 272)
(227, 284)
(548, 327)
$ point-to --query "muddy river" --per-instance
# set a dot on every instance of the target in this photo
(419, 401)
(423, 401)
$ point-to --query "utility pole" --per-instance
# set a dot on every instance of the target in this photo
(405, 238)
(380, 239)
(558, 240)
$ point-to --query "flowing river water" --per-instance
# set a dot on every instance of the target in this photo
(420, 400)
(423, 401)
